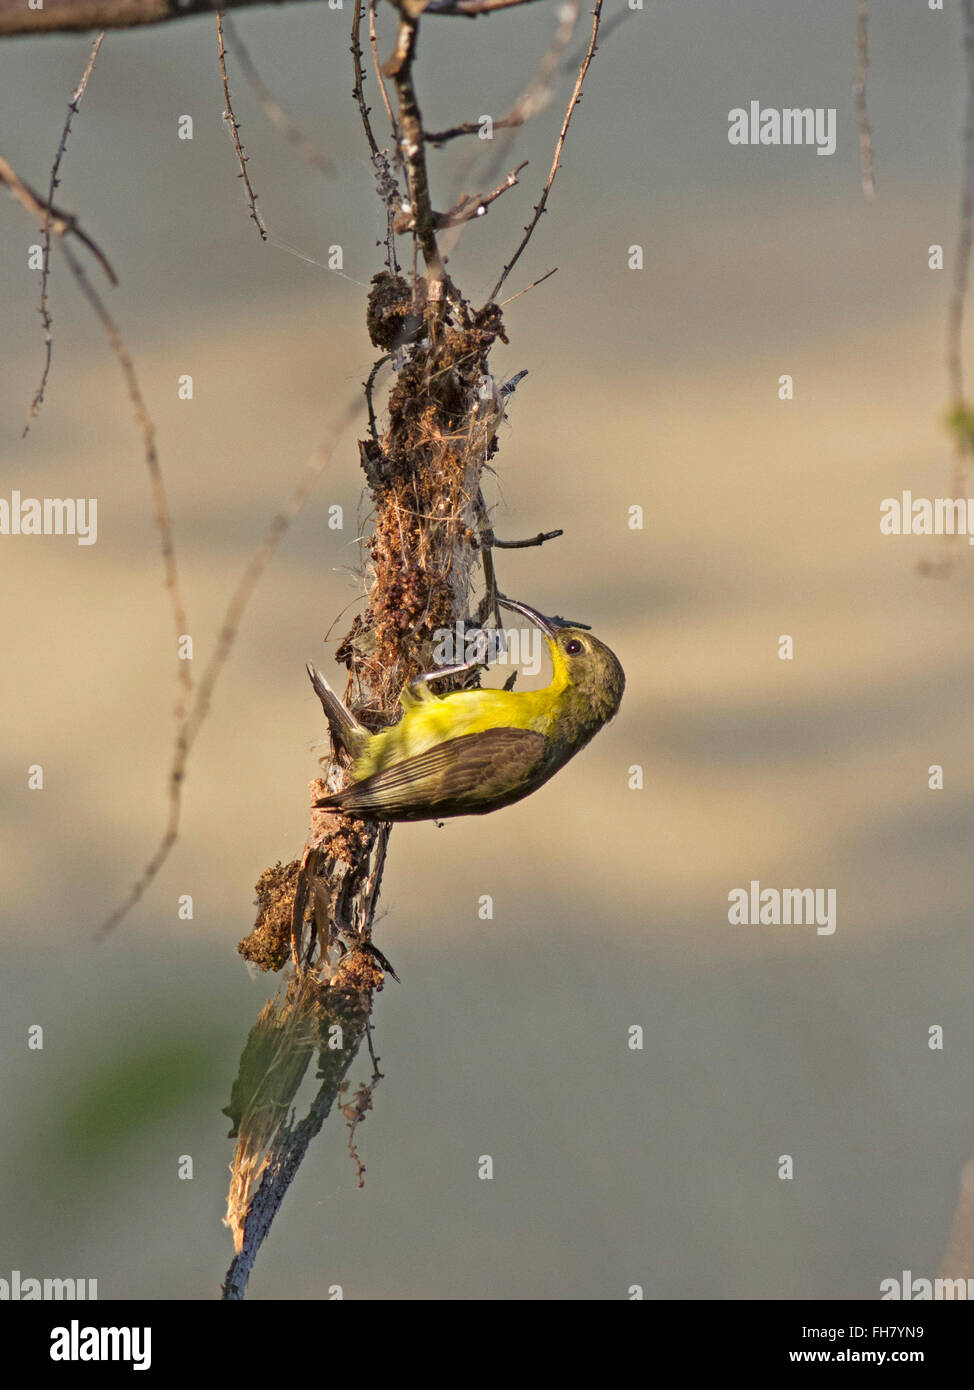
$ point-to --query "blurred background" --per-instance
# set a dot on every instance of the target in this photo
(657, 388)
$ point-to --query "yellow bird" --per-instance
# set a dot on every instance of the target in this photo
(472, 751)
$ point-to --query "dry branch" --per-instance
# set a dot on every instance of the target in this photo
(960, 417)
(56, 220)
(535, 97)
(234, 128)
(862, 115)
(46, 319)
(412, 149)
(164, 523)
(271, 107)
(572, 103)
(470, 9)
(955, 318)
(386, 185)
(374, 45)
(197, 711)
(70, 16)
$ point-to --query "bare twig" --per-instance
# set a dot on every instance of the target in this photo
(571, 60)
(468, 207)
(358, 91)
(539, 539)
(532, 101)
(862, 116)
(61, 223)
(958, 1260)
(46, 319)
(226, 637)
(453, 132)
(960, 419)
(68, 16)
(413, 150)
(542, 201)
(374, 43)
(385, 182)
(535, 98)
(231, 121)
(369, 385)
(470, 9)
(534, 283)
(272, 108)
(162, 514)
(955, 318)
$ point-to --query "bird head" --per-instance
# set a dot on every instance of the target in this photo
(580, 661)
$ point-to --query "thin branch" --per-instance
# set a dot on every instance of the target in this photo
(358, 91)
(470, 9)
(960, 420)
(537, 95)
(369, 385)
(61, 226)
(413, 149)
(533, 285)
(225, 639)
(862, 116)
(46, 319)
(955, 318)
(539, 539)
(374, 44)
(61, 223)
(958, 1260)
(542, 201)
(385, 182)
(440, 137)
(470, 205)
(571, 61)
(532, 101)
(69, 16)
(231, 121)
(272, 108)
(160, 501)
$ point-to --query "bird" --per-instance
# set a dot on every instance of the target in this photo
(470, 752)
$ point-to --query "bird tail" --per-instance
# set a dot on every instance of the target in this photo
(346, 731)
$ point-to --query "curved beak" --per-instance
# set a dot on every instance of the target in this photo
(546, 625)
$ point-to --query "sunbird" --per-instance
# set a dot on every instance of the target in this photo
(473, 751)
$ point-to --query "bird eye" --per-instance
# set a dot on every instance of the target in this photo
(573, 647)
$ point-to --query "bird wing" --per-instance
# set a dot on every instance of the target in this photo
(462, 776)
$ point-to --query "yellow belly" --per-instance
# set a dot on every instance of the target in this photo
(430, 719)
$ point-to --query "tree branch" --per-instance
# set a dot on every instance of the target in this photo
(470, 9)
(234, 128)
(542, 201)
(272, 108)
(61, 223)
(412, 147)
(70, 16)
(862, 115)
(46, 319)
